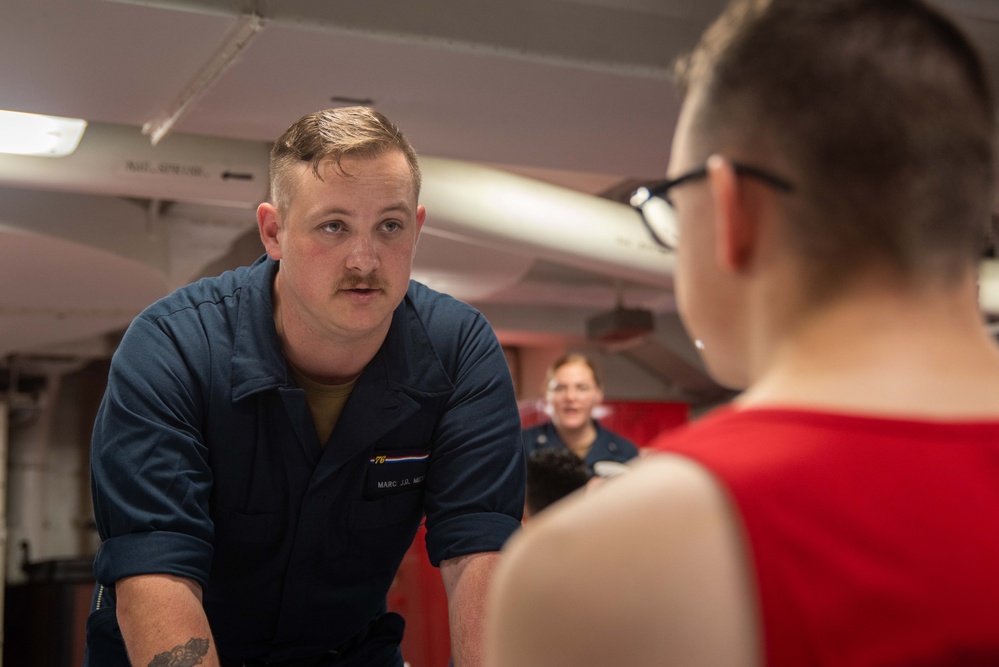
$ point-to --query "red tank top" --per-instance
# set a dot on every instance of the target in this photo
(873, 541)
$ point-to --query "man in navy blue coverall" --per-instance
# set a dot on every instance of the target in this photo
(271, 439)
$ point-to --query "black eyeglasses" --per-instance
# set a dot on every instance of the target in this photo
(656, 207)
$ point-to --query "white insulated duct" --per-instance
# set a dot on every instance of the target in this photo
(486, 206)
(465, 201)
(117, 160)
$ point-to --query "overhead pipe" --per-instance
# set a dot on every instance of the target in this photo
(118, 161)
(247, 27)
(486, 206)
(465, 201)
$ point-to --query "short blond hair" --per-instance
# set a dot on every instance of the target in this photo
(333, 134)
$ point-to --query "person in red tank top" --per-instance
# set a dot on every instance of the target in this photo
(831, 177)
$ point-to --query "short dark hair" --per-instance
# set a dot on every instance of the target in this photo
(333, 134)
(880, 113)
(552, 474)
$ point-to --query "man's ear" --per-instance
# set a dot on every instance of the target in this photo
(421, 217)
(269, 224)
(735, 225)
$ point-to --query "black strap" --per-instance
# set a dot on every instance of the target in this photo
(330, 657)
(386, 629)
(327, 658)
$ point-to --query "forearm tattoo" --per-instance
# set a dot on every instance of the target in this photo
(188, 655)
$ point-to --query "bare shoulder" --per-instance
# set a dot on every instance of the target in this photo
(647, 569)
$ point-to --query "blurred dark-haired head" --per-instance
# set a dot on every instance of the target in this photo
(552, 474)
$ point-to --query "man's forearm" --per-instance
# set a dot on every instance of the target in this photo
(466, 580)
(163, 622)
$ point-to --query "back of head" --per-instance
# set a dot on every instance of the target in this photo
(332, 135)
(879, 113)
(552, 474)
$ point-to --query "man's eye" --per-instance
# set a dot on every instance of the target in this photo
(332, 227)
(391, 225)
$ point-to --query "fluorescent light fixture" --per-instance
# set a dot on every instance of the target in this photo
(33, 134)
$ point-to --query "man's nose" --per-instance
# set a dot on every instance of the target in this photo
(363, 255)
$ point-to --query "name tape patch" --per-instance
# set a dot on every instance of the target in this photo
(391, 472)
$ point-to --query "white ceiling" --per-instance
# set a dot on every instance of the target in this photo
(575, 93)
(579, 86)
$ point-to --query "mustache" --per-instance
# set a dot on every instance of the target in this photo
(354, 282)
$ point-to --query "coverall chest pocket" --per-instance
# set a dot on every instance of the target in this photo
(393, 489)
(381, 524)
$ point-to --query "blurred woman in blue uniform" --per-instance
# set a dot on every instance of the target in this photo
(572, 390)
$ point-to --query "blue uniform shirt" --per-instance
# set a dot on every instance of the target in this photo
(206, 463)
(608, 446)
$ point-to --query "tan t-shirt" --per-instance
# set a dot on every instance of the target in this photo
(325, 401)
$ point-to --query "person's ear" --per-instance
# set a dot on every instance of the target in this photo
(735, 225)
(421, 217)
(269, 224)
